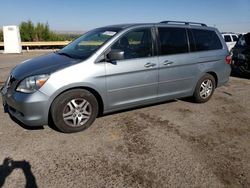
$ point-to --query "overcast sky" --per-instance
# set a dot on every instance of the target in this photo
(82, 15)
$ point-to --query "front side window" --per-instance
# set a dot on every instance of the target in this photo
(135, 44)
(206, 40)
(172, 40)
(89, 43)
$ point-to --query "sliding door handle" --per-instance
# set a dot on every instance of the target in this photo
(168, 62)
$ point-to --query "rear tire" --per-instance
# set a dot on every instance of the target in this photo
(74, 110)
(204, 89)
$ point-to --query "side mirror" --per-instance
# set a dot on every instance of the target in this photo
(115, 55)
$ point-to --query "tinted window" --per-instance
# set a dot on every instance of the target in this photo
(235, 38)
(206, 40)
(191, 41)
(135, 44)
(227, 38)
(247, 39)
(172, 40)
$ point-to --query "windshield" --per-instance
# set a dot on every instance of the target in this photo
(89, 43)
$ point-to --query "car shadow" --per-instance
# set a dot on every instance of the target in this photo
(237, 75)
(137, 107)
(9, 165)
(100, 115)
(52, 125)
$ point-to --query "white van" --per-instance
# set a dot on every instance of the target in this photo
(230, 39)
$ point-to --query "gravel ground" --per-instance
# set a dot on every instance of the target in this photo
(173, 144)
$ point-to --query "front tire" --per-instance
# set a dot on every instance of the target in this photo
(204, 88)
(74, 110)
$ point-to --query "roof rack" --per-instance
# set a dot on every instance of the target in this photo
(186, 23)
(228, 32)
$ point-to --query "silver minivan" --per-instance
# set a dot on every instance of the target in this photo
(117, 67)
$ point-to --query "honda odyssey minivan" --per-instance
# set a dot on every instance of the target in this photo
(117, 67)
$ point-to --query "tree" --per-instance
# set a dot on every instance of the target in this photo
(1, 36)
(41, 32)
(46, 33)
(27, 31)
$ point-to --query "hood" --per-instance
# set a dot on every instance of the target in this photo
(45, 64)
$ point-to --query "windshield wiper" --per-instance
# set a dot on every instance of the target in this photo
(65, 54)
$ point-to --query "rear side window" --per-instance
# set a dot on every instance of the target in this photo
(206, 40)
(172, 40)
(227, 38)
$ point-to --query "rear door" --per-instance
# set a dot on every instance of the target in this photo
(177, 67)
(134, 80)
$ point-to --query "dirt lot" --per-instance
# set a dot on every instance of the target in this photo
(174, 144)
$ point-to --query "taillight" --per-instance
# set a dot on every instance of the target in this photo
(228, 59)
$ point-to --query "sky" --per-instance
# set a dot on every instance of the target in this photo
(83, 15)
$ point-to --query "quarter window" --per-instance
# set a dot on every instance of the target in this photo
(206, 40)
(172, 41)
(136, 44)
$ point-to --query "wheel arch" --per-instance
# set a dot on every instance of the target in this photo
(215, 77)
(91, 90)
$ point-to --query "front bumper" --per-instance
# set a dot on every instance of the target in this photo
(30, 109)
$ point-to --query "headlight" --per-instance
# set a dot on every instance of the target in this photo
(32, 83)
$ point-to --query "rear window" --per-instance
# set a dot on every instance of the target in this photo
(227, 38)
(206, 40)
(173, 40)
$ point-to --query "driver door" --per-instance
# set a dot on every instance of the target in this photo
(133, 80)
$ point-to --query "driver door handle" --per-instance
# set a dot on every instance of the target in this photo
(149, 65)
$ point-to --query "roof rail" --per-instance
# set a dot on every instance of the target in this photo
(228, 32)
(186, 23)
